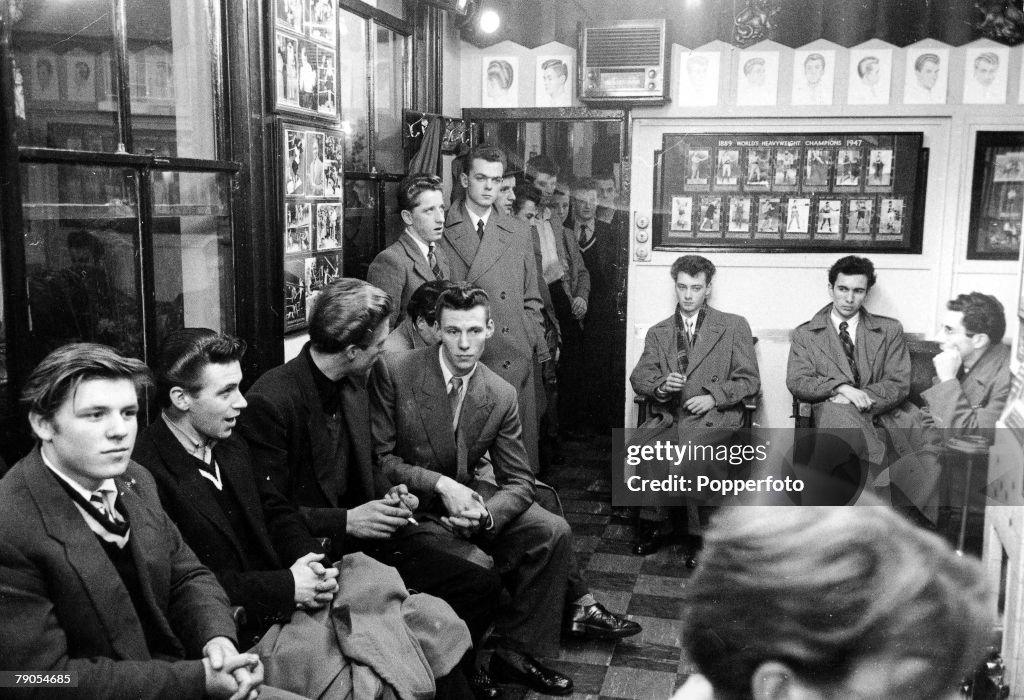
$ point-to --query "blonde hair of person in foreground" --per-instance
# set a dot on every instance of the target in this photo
(829, 603)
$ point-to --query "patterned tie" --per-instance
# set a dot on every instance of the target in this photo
(480, 229)
(106, 509)
(584, 235)
(689, 331)
(453, 400)
(432, 260)
(847, 341)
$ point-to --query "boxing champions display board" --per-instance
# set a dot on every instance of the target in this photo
(799, 192)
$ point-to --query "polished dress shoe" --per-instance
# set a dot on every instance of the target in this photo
(649, 540)
(597, 622)
(483, 686)
(529, 672)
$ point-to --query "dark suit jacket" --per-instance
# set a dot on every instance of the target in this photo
(64, 607)
(403, 337)
(277, 531)
(413, 440)
(293, 441)
(722, 364)
(973, 404)
(400, 269)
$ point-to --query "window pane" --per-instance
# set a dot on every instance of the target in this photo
(62, 74)
(360, 230)
(393, 224)
(352, 91)
(389, 100)
(81, 257)
(392, 7)
(192, 258)
(170, 68)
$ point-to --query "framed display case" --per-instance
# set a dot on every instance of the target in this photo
(997, 196)
(304, 54)
(799, 192)
(312, 214)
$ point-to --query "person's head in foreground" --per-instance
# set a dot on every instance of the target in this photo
(823, 603)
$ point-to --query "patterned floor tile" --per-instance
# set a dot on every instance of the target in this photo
(610, 581)
(622, 682)
(669, 586)
(655, 606)
(659, 631)
(619, 563)
(651, 657)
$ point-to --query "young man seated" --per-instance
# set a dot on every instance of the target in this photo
(435, 413)
(417, 329)
(95, 579)
(239, 525)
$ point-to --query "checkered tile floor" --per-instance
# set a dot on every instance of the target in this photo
(650, 665)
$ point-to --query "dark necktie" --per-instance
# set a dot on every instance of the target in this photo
(109, 518)
(584, 235)
(453, 400)
(847, 341)
(432, 260)
(480, 229)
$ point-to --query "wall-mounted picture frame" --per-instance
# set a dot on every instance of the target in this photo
(784, 191)
(997, 196)
(305, 62)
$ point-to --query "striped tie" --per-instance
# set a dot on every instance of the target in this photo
(432, 260)
(480, 228)
(453, 400)
(847, 341)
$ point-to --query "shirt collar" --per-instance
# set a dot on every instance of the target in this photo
(108, 485)
(424, 247)
(447, 373)
(187, 436)
(473, 218)
(851, 323)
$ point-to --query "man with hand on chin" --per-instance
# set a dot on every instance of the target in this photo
(853, 366)
(95, 580)
(435, 414)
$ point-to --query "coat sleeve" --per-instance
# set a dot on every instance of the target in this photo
(32, 640)
(744, 379)
(651, 370)
(572, 249)
(804, 379)
(383, 431)
(533, 304)
(950, 408)
(385, 272)
(893, 387)
(511, 469)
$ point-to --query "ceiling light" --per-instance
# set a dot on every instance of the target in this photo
(489, 21)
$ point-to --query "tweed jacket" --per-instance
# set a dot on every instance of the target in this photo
(65, 608)
(722, 364)
(403, 337)
(413, 440)
(974, 403)
(400, 269)
(275, 527)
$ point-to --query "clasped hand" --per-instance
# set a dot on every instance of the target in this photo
(230, 674)
(377, 520)
(467, 513)
(860, 399)
(315, 584)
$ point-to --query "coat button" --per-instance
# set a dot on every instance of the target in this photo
(503, 295)
(714, 378)
(709, 424)
(505, 330)
(506, 364)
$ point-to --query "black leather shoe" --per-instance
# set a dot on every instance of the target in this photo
(648, 540)
(532, 674)
(596, 622)
(483, 686)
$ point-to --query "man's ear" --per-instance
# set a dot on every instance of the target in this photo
(774, 681)
(464, 179)
(407, 217)
(981, 341)
(42, 427)
(180, 399)
(490, 328)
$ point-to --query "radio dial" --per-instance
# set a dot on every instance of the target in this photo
(641, 236)
(651, 73)
(650, 86)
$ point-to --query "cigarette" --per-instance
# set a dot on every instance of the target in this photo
(412, 521)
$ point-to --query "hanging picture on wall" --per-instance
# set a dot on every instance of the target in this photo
(985, 75)
(328, 227)
(826, 182)
(294, 295)
(321, 21)
(305, 69)
(287, 70)
(297, 235)
(314, 164)
(927, 75)
(43, 79)
(294, 162)
(757, 78)
(80, 72)
(813, 77)
(333, 153)
(500, 81)
(997, 196)
(698, 79)
(289, 14)
(870, 76)
(554, 81)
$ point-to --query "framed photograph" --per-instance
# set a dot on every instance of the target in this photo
(297, 218)
(769, 216)
(288, 14)
(324, 270)
(710, 215)
(334, 150)
(985, 75)
(927, 75)
(814, 75)
(997, 196)
(321, 21)
(326, 82)
(757, 78)
(500, 81)
(286, 56)
(870, 77)
(80, 72)
(294, 162)
(739, 215)
(554, 81)
(859, 216)
(42, 76)
(682, 213)
(314, 164)
(294, 295)
(818, 191)
(798, 212)
(328, 226)
(698, 79)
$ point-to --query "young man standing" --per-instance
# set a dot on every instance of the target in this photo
(95, 579)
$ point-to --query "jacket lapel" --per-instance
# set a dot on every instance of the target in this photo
(707, 337)
(236, 472)
(322, 430)
(476, 409)
(872, 343)
(667, 340)
(497, 238)
(458, 231)
(828, 341)
(430, 395)
(419, 263)
(354, 403)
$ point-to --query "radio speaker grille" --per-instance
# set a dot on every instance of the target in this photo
(626, 46)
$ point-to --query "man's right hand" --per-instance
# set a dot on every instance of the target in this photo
(376, 520)
(460, 501)
(673, 383)
(230, 674)
(858, 397)
(313, 589)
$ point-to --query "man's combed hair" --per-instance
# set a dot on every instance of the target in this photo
(983, 313)
(410, 189)
(423, 302)
(542, 164)
(347, 312)
(525, 192)
(852, 265)
(824, 589)
(462, 297)
(693, 265)
(61, 372)
(184, 355)
(486, 152)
